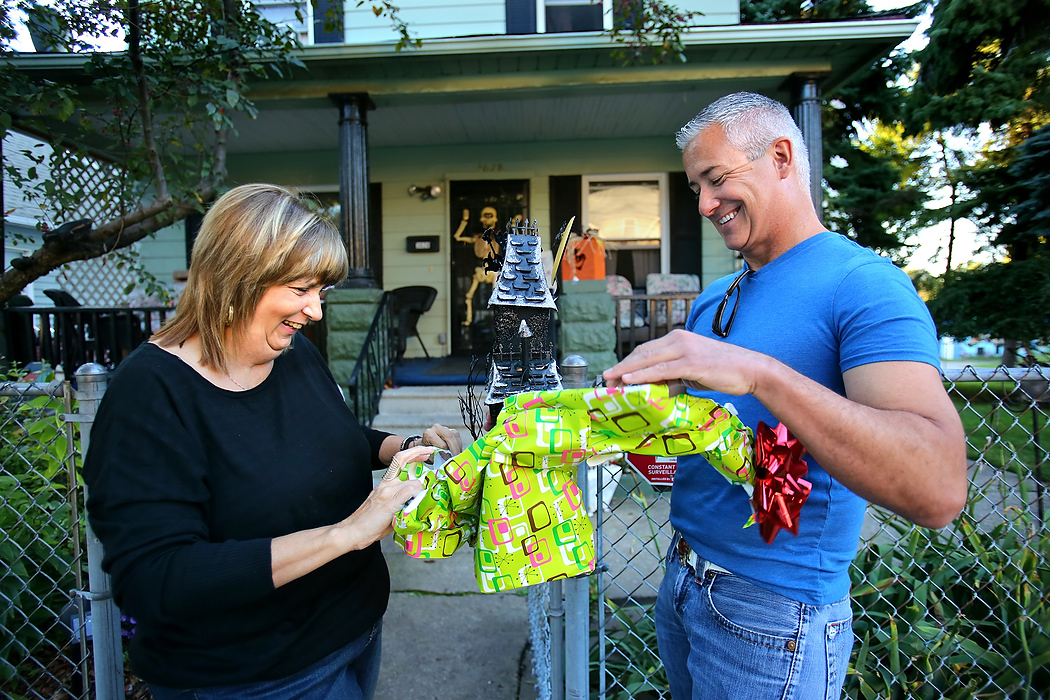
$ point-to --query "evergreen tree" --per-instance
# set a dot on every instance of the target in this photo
(989, 64)
(871, 193)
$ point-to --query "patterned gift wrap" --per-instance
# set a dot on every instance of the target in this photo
(512, 494)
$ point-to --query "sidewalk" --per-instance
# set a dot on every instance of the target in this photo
(444, 640)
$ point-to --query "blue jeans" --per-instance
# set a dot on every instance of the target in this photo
(722, 638)
(350, 673)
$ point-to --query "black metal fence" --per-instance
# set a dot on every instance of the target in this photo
(67, 337)
(643, 317)
(374, 363)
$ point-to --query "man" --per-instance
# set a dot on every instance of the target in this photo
(830, 339)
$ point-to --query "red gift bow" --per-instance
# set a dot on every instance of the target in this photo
(780, 489)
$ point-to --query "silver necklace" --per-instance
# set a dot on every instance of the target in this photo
(230, 377)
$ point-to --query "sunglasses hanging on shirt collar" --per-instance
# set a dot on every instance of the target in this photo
(717, 326)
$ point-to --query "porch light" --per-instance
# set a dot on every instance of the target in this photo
(424, 192)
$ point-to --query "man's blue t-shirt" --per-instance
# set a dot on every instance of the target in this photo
(823, 307)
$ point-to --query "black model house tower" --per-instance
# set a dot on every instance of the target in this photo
(523, 310)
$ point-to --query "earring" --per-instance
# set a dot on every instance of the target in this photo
(229, 321)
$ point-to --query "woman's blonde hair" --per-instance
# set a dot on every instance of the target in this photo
(252, 238)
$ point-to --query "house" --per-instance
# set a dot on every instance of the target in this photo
(517, 108)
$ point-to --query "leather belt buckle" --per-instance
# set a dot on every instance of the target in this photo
(686, 555)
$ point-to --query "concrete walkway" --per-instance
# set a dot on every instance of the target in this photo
(444, 640)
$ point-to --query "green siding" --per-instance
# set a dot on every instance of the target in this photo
(428, 19)
(399, 168)
(164, 253)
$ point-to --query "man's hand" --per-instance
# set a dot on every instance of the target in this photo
(699, 363)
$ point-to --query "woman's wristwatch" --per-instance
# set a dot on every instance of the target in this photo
(407, 442)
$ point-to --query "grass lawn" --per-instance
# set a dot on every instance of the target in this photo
(1009, 440)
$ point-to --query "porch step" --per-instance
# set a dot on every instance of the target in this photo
(409, 410)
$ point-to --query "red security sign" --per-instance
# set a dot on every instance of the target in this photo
(655, 469)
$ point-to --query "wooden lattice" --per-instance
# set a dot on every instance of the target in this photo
(99, 193)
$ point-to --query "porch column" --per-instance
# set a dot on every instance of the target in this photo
(353, 184)
(805, 108)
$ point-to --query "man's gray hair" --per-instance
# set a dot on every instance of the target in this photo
(751, 123)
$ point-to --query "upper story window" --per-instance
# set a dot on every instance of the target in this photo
(283, 12)
(321, 23)
(573, 15)
(552, 16)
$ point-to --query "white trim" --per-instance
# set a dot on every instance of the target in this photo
(899, 29)
(727, 35)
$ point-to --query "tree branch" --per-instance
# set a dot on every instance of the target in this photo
(134, 18)
(116, 234)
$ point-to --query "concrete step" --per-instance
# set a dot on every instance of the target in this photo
(412, 409)
(421, 399)
(416, 423)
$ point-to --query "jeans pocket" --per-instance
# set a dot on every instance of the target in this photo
(838, 640)
(753, 613)
(751, 636)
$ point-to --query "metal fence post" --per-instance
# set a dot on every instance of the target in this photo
(105, 617)
(577, 613)
(556, 591)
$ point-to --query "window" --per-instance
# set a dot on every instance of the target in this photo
(322, 23)
(630, 213)
(328, 22)
(572, 15)
(551, 16)
(283, 12)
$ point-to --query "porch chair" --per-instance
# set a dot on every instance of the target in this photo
(23, 346)
(409, 304)
(74, 338)
(656, 283)
(630, 323)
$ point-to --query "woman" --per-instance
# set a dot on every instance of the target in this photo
(232, 487)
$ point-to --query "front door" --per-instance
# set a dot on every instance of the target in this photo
(478, 205)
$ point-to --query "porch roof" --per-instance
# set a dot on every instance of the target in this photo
(540, 87)
(553, 87)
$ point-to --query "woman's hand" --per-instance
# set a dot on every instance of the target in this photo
(443, 438)
(374, 519)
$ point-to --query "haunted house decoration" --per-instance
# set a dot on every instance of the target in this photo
(523, 313)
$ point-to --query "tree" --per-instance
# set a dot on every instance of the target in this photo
(648, 31)
(985, 63)
(947, 167)
(873, 192)
(1007, 299)
(989, 64)
(870, 192)
(169, 99)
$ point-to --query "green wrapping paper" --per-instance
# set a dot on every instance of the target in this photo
(512, 494)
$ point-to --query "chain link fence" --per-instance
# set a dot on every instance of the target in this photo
(961, 612)
(956, 613)
(43, 649)
(50, 647)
